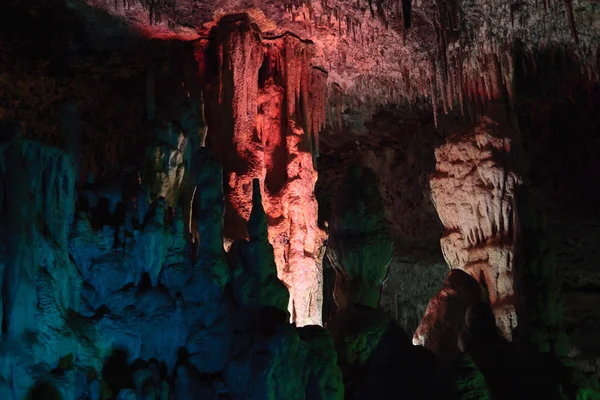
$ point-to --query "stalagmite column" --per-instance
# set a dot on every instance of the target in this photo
(360, 245)
(444, 319)
(474, 189)
(265, 105)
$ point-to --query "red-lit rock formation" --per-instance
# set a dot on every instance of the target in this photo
(444, 319)
(473, 190)
(265, 106)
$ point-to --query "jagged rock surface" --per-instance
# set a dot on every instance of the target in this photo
(449, 54)
(444, 319)
(266, 107)
(474, 191)
(360, 245)
(376, 356)
(122, 310)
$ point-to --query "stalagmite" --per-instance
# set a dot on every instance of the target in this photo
(444, 319)
(360, 246)
(474, 189)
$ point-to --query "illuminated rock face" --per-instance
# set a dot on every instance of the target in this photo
(474, 190)
(265, 106)
(175, 130)
(444, 319)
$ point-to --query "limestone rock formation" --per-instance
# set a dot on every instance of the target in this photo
(165, 163)
(39, 283)
(376, 356)
(255, 282)
(174, 269)
(324, 378)
(540, 305)
(444, 319)
(265, 108)
(474, 191)
(459, 378)
(374, 353)
(360, 246)
(130, 295)
(454, 55)
(103, 294)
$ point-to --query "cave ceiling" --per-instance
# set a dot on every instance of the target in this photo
(382, 52)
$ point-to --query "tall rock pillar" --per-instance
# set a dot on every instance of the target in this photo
(474, 191)
(265, 104)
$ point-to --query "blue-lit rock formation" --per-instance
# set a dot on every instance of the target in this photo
(114, 299)
(39, 282)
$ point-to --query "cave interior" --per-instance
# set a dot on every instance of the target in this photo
(299, 199)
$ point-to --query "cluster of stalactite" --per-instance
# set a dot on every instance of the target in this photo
(456, 55)
(156, 9)
(305, 87)
(265, 107)
(389, 12)
(468, 62)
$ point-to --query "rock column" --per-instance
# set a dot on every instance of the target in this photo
(265, 105)
(474, 191)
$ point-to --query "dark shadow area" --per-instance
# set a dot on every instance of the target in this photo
(44, 391)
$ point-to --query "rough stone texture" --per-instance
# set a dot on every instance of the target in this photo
(255, 283)
(460, 378)
(281, 361)
(396, 145)
(394, 52)
(360, 246)
(40, 283)
(96, 299)
(257, 98)
(376, 357)
(174, 141)
(287, 363)
(444, 319)
(84, 57)
(474, 190)
(324, 379)
(135, 309)
(413, 279)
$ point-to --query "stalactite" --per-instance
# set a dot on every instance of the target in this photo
(434, 100)
(441, 86)
(571, 18)
(291, 100)
(371, 8)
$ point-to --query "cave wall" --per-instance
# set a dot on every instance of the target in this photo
(559, 121)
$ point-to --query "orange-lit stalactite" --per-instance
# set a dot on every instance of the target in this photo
(264, 105)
